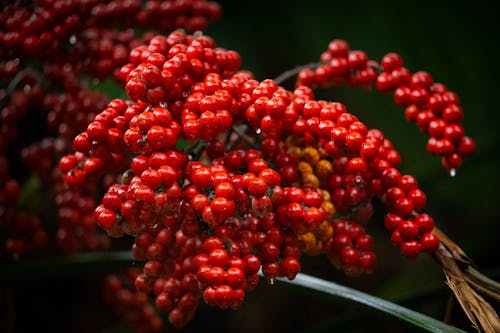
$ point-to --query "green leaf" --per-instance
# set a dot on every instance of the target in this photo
(110, 261)
(426, 323)
(68, 265)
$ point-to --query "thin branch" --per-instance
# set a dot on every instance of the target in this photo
(240, 130)
(280, 79)
(196, 149)
(482, 283)
(11, 87)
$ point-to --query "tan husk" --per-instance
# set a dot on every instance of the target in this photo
(480, 312)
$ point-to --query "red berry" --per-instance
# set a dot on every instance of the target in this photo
(391, 61)
(411, 249)
(418, 198)
(367, 261)
(218, 257)
(408, 230)
(364, 243)
(424, 222)
(430, 242)
(216, 276)
(235, 278)
(290, 266)
(349, 256)
(466, 147)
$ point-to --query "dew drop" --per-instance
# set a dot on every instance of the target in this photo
(258, 131)
(72, 40)
(453, 172)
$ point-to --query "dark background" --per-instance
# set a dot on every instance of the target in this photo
(457, 43)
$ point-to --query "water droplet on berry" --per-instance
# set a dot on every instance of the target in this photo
(72, 39)
(453, 172)
(258, 131)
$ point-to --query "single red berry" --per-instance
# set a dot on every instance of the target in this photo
(408, 230)
(403, 96)
(216, 276)
(391, 61)
(404, 206)
(357, 59)
(107, 219)
(218, 257)
(418, 198)
(430, 242)
(354, 141)
(385, 82)
(466, 147)
(252, 263)
(212, 243)
(349, 256)
(364, 243)
(151, 178)
(338, 48)
(411, 249)
(424, 222)
(222, 208)
(367, 261)
(340, 241)
(136, 89)
(269, 252)
(453, 114)
(290, 267)
(235, 278)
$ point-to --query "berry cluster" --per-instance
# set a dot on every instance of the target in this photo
(216, 176)
(430, 105)
(86, 29)
(271, 174)
(50, 52)
(133, 305)
(26, 100)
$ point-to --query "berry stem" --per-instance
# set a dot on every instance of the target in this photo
(240, 130)
(196, 149)
(10, 88)
(280, 79)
